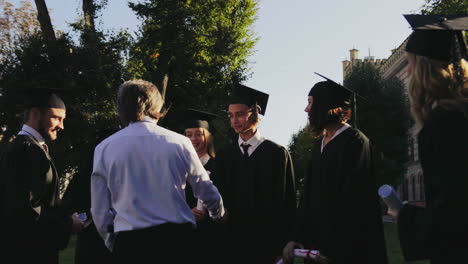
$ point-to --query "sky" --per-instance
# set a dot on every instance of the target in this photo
(296, 39)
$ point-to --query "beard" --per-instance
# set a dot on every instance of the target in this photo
(44, 131)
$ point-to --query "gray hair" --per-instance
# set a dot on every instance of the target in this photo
(138, 98)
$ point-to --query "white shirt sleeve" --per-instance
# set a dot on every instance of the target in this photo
(101, 209)
(203, 188)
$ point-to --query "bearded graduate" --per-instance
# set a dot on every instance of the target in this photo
(339, 212)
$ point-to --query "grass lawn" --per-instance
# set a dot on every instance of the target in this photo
(391, 236)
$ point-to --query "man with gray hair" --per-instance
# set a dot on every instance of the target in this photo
(138, 181)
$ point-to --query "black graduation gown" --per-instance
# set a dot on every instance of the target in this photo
(259, 196)
(339, 213)
(34, 226)
(440, 230)
(207, 235)
(191, 200)
(90, 247)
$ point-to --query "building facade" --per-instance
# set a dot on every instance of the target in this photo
(396, 66)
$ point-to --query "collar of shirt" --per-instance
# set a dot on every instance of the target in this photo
(204, 159)
(254, 142)
(343, 128)
(29, 131)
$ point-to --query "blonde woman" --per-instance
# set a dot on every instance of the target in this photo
(439, 102)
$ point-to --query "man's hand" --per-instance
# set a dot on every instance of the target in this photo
(393, 213)
(199, 215)
(288, 251)
(77, 224)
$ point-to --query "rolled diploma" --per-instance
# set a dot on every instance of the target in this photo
(390, 197)
(303, 253)
(200, 206)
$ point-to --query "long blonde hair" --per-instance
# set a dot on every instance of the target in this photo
(210, 149)
(435, 82)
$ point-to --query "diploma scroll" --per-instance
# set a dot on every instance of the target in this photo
(390, 197)
(303, 253)
(200, 206)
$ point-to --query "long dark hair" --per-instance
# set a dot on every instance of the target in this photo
(320, 117)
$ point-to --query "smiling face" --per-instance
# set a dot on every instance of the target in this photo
(198, 139)
(50, 121)
(240, 117)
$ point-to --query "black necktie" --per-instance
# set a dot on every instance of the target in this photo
(245, 147)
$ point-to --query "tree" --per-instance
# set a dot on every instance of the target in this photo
(88, 75)
(44, 20)
(384, 117)
(194, 49)
(300, 148)
(445, 7)
(16, 23)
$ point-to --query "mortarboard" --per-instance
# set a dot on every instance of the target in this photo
(25, 98)
(331, 94)
(438, 37)
(197, 119)
(248, 96)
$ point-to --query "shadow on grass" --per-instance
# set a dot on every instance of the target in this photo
(391, 236)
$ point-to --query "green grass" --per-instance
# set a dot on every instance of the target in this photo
(67, 256)
(391, 236)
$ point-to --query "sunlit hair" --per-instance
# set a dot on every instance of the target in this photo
(138, 98)
(319, 119)
(434, 82)
(210, 149)
(209, 142)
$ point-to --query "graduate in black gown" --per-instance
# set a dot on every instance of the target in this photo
(34, 225)
(196, 126)
(339, 212)
(438, 93)
(255, 177)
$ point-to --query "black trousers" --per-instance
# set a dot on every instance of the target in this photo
(166, 243)
(90, 248)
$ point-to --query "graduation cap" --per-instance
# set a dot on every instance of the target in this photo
(43, 98)
(438, 37)
(194, 118)
(25, 98)
(250, 97)
(331, 95)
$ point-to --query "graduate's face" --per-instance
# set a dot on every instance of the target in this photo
(50, 122)
(310, 101)
(198, 138)
(240, 114)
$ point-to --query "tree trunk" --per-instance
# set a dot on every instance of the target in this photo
(89, 11)
(162, 73)
(44, 19)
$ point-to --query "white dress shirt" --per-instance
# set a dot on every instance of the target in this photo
(339, 131)
(254, 142)
(29, 131)
(139, 178)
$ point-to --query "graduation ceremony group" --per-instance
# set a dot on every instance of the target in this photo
(158, 196)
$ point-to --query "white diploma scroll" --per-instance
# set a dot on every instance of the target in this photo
(390, 197)
(303, 253)
(200, 206)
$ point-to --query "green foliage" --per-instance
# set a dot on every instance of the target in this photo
(384, 117)
(88, 72)
(300, 149)
(445, 7)
(203, 47)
